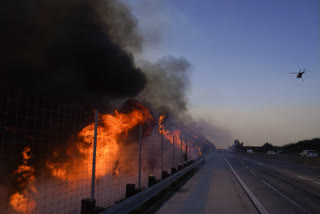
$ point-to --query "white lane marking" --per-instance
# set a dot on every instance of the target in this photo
(261, 164)
(253, 198)
(286, 197)
(308, 179)
(252, 172)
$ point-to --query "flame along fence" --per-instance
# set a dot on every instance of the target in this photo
(50, 159)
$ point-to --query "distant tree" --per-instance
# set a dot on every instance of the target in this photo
(267, 147)
(302, 145)
(237, 146)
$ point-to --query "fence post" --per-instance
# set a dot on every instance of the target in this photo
(140, 142)
(94, 154)
(181, 152)
(186, 159)
(161, 152)
(172, 151)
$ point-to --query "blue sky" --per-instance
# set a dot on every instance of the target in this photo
(241, 53)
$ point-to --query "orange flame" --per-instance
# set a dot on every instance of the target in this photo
(167, 134)
(110, 128)
(161, 126)
(59, 171)
(23, 202)
(175, 133)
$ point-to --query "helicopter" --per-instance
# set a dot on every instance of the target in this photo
(300, 73)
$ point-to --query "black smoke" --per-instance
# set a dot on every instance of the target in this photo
(69, 47)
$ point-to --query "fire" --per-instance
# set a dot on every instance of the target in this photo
(110, 128)
(23, 202)
(166, 133)
(59, 171)
(175, 133)
(161, 126)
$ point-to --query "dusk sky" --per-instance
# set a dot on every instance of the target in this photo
(241, 53)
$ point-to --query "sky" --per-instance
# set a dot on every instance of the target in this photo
(241, 53)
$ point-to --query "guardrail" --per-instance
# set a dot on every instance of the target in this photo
(142, 197)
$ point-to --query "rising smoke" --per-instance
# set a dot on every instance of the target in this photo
(167, 85)
(74, 47)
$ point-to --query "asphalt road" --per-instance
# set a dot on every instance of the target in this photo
(213, 189)
(274, 186)
(281, 187)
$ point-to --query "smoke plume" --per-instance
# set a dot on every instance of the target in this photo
(74, 47)
(167, 85)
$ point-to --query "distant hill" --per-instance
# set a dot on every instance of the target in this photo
(313, 144)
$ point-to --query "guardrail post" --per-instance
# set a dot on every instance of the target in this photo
(130, 190)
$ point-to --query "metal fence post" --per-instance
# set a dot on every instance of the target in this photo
(186, 159)
(94, 154)
(140, 142)
(181, 152)
(173, 151)
(161, 152)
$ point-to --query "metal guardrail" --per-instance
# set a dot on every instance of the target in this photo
(142, 197)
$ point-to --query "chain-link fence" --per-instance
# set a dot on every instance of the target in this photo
(47, 161)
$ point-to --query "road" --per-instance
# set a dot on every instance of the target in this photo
(213, 189)
(281, 187)
(267, 186)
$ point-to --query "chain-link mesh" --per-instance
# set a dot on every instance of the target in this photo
(46, 155)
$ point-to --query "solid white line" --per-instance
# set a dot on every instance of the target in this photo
(253, 198)
(283, 195)
(252, 172)
(307, 179)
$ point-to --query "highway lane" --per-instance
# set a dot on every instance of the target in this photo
(213, 189)
(281, 187)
